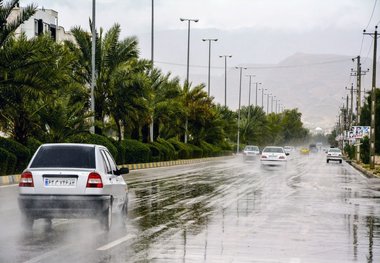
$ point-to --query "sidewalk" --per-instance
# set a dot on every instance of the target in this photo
(367, 172)
(14, 179)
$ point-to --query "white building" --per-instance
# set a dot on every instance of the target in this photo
(44, 21)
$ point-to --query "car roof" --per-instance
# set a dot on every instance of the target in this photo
(73, 144)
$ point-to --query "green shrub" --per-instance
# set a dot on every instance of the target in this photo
(350, 151)
(136, 151)
(12, 160)
(94, 139)
(209, 149)
(196, 152)
(120, 158)
(168, 149)
(156, 153)
(33, 145)
(364, 150)
(20, 151)
(3, 161)
(182, 149)
(225, 146)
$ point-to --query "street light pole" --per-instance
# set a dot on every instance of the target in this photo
(257, 83)
(238, 131)
(188, 45)
(271, 106)
(225, 77)
(262, 98)
(269, 95)
(249, 95)
(93, 44)
(209, 61)
(373, 100)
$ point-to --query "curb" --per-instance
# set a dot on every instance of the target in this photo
(14, 179)
(9, 179)
(367, 173)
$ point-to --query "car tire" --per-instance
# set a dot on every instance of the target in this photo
(106, 218)
(340, 161)
(327, 161)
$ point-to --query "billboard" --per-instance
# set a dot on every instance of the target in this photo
(359, 132)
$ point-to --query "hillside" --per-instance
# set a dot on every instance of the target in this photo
(315, 84)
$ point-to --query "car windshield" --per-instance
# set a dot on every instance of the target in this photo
(64, 156)
(273, 150)
(334, 150)
(251, 148)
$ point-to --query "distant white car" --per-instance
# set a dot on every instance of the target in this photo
(288, 149)
(334, 154)
(72, 181)
(273, 155)
(250, 152)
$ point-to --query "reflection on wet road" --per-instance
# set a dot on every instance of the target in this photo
(222, 211)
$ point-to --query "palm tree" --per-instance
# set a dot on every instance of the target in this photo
(111, 54)
(197, 107)
(31, 70)
(127, 100)
(8, 27)
(165, 105)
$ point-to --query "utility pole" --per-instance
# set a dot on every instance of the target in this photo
(93, 44)
(249, 95)
(373, 99)
(209, 62)
(358, 73)
(225, 77)
(350, 113)
(238, 131)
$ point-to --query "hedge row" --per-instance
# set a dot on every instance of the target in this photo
(14, 156)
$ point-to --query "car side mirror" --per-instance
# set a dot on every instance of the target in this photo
(121, 171)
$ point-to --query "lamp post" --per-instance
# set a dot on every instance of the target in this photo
(271, 107)
(225, 77)
(277, 102)
(257, 83)
(238, 131)
(262, 98)
(269, 95)
(209, 60)
(249, 95)
(188, 44)
(93, 44)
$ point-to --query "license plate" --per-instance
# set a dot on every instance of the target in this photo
(60, 182)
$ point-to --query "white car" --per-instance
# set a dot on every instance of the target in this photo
(251, 152)
(273, 156)
(65, 180)
(334, 154)
(288, 149)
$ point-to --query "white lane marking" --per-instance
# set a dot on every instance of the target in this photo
(116, 242)
(10, 185)
(295, 260)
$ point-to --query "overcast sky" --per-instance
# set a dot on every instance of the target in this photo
(344, 19)
(254, 32)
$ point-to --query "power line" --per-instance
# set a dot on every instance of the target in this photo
(373, 10)
(263, 67)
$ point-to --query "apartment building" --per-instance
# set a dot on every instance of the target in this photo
(44, 21)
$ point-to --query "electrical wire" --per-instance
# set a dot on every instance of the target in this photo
(373, 10)
(262, 67)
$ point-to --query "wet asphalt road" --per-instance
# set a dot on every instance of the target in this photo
(220, 211)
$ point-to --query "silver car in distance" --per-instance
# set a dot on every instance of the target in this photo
(273, 156)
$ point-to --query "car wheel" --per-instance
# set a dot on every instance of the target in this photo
(106, 218)
(327, 161)
(340, 161)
